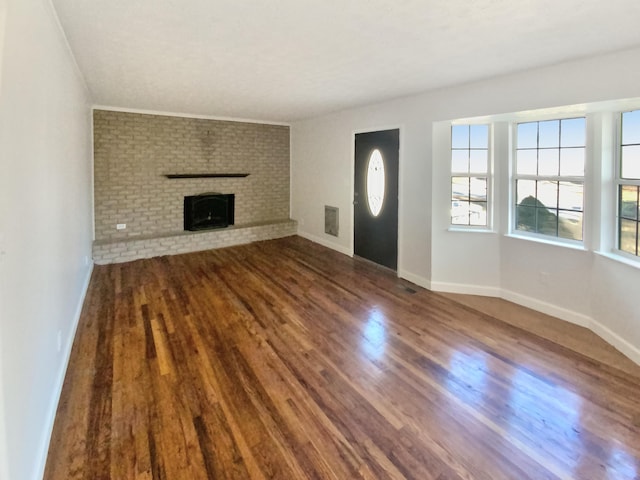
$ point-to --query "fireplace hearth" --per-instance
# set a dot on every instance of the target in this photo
(208, 211)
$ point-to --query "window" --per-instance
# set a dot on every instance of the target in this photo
(549, 178)
(629, 183)
(375, 183)
(469, 175)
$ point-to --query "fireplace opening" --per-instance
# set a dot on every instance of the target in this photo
(208, 210)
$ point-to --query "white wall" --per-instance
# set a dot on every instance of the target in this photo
(45, 223)
(322, 174)
(576, 285)
(4, 456)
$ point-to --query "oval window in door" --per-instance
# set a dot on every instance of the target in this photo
(375, 183)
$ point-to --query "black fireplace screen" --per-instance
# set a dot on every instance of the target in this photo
(208, 210)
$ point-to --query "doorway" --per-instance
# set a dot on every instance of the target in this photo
(376, 197)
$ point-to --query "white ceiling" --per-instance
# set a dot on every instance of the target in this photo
(283, 60)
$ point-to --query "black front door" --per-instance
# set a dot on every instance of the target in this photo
(376, 197)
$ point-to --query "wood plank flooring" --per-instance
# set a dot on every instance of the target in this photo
(286, 360)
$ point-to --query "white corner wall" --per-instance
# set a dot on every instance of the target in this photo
(578, 286)
(45, 226)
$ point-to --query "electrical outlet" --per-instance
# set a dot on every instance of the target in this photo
(86, 260)
(121, 226)
(59, 340)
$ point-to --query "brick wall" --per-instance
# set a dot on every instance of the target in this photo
(133, 151)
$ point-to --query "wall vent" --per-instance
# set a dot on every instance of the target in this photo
(331, 223)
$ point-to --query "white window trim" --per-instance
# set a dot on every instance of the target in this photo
(624, 258)
(548, 240)
(470, 228)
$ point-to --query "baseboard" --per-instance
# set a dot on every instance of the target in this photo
(417, 279)
(44, 449)
(616, 340)
(529, 302)
(629, 350)
(326, 243)
(465, 289)
(548, 308)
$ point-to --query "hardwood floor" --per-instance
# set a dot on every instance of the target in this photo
(285, 360)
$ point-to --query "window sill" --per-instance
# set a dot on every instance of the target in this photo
(620, 259)
(470, 229)
(548, 241)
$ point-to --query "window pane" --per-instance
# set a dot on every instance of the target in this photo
(631, 162)
(548, 194)
(478, 189)
(526, 162)
(631, 127)
(478, 161)
(460, 136)
(549, 161)
(469, 156)
(526, 218)
(549, 134)
(554, 148)
(459, 212)
(570, 225)
(572, 162)
(479, 136)
(478, 213)
(628, 236)
(629, 201)
(460, 188)
(525, 189)
(570, 196)
(546, 222)
(528, 135)
(460, 161)
(375, 183)
(573, 132)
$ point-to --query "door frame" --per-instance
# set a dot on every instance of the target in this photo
(400, 233)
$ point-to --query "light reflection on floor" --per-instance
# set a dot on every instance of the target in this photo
(467, 376)
(374, 335)
(537, 411)
(622, 463)
(530, 405)
(552, 412)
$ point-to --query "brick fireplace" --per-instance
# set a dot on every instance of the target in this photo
(134, 153)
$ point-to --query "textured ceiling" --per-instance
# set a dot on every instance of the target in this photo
(290, 59)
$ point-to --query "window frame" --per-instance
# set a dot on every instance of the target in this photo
(619, 182)
(488, 176)
(514, 177)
